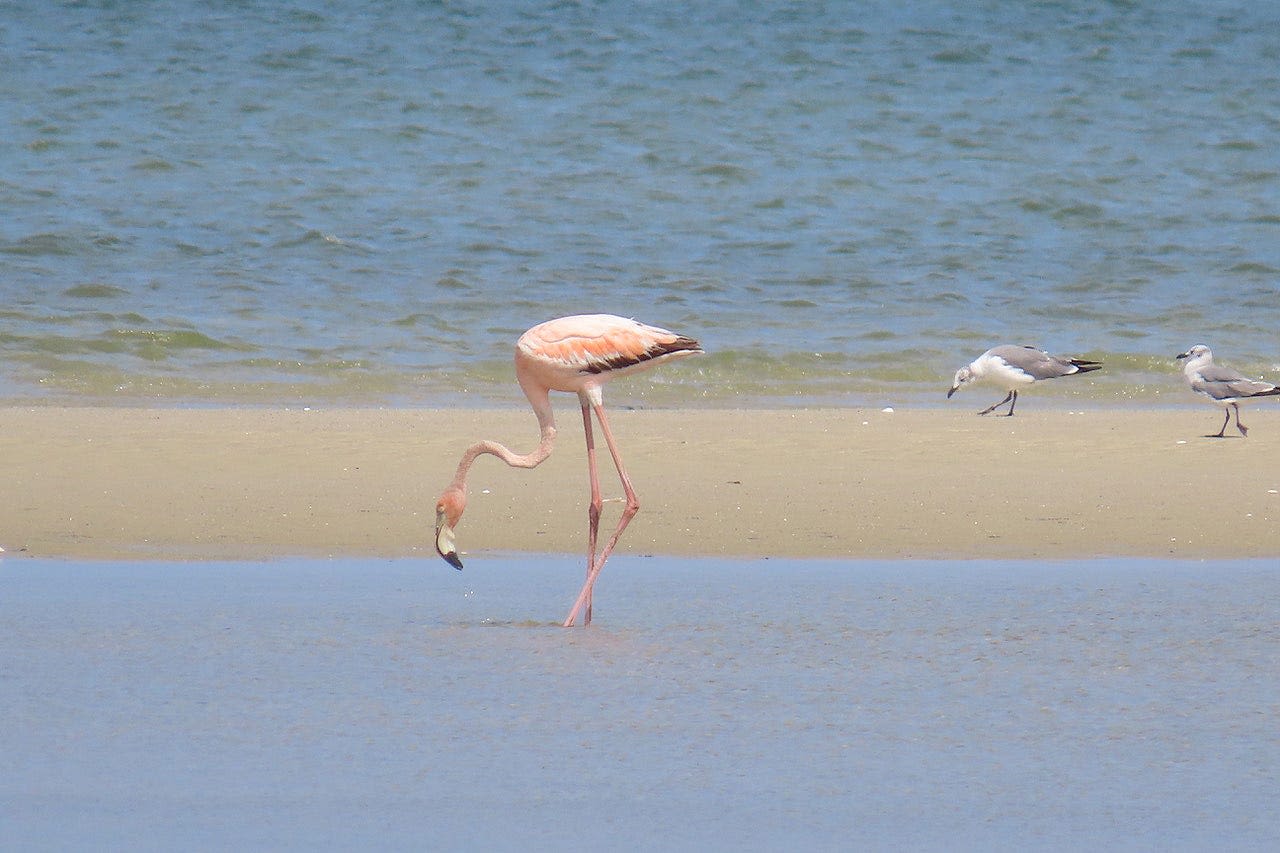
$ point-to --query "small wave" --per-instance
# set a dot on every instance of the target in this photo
(760, 245)
(59, 245)
(153, 164)
(1254, 267)
(488, 247)
(194, 251)
(284, 60)
(946, 297)
(41, 244)
(1238, 145)
(160, 344)
(452, 281)
(1260, 176)
(968, 55)
(725, 172)
(877, 335)
(420, 320)
(313, 237)
(95, 291)
(1082, 211)
(316, 364)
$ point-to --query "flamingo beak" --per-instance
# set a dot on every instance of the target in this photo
(445, 546)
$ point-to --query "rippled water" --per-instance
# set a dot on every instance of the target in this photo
(844, 202)
(714, 704)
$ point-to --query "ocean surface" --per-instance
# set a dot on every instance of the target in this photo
(249, 202)
(713, 705)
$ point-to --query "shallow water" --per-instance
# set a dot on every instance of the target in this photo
(713, 704)
(368, 202)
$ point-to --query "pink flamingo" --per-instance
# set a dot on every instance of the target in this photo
(577, 355)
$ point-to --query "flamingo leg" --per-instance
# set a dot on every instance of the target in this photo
(628, 512)
(593, 510)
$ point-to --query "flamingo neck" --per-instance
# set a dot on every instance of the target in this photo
(547, 431)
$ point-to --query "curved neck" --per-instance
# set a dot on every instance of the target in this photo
(547, 431)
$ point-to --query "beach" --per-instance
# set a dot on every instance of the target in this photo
(260, 483)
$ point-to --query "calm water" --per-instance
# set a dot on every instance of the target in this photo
(715, 704)
(368, 202)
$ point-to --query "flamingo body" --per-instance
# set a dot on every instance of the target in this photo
(576, 355)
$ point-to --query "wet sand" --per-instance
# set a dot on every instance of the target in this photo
(251, 483)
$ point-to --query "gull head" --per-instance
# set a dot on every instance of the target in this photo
(963, 375)
(1195, 359)
(449, 511)
(1196, 352)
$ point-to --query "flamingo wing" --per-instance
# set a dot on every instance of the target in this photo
(592, 344)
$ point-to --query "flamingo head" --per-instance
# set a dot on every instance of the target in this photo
(448, 513)
(963, 375)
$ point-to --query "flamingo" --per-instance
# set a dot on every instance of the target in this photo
(1222, 385)
(1013, 367)
(577, 355)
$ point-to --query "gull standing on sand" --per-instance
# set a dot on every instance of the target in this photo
(1224, 386)
(577, 355)
(1012, 367)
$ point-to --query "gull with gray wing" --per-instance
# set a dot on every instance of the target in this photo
(1013, 367)
(1222, 385)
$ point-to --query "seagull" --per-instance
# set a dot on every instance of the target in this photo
(1013, 367)
(1222, 385)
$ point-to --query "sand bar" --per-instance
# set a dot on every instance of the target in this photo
(257, 483)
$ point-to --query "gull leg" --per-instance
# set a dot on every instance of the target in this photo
(1221, 432)
(1244, 430)
(991, 409)
(1014, 403)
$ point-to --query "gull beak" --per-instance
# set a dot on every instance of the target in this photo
(954, 389)
(445, 546)
(1183, 355)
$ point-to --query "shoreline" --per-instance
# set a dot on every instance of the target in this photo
(258, 483)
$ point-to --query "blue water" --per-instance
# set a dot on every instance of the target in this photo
(713, 704)
(844, 202)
